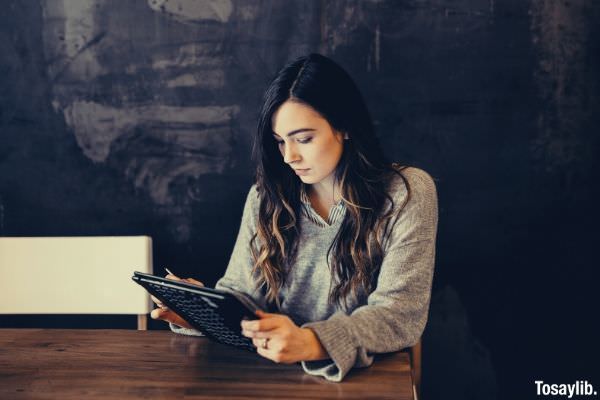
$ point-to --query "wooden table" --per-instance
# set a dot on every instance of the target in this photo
(129, 364)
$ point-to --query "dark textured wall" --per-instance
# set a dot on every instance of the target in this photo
(136, 117)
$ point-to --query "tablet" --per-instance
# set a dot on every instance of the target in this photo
(214, 312)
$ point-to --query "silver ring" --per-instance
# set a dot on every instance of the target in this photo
(265, 343)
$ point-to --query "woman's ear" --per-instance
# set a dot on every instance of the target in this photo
(340, 134)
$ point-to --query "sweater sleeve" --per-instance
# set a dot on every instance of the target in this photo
(238, 275)
(396, 311)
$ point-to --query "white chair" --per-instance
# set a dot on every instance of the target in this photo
(74, 275)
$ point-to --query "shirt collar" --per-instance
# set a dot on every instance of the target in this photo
(336, 213)
(306, 200)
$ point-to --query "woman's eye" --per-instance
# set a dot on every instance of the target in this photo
(305, 140)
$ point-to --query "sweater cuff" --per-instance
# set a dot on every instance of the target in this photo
(185, 331)
(338, 343)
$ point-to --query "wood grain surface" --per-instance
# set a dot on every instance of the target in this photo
(128, 364)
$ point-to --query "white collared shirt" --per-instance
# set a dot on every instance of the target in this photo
(336, 212)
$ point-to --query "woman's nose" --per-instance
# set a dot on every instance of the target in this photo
(290, 154)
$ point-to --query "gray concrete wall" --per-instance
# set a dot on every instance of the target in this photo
(135, 117)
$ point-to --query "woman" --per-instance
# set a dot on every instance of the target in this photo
(337, 244)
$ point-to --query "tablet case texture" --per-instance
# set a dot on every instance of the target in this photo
(216, 314)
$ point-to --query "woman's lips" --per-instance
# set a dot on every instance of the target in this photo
(302, 172)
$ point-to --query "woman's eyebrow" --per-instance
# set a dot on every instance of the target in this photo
(295, 131)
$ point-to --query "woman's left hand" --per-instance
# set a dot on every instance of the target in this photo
(279, 339)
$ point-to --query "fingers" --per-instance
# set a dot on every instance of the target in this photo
(262, 314)
(159, 313)
(188, 280)
(157, 301)
(163, 313)
(167, 315)
(257, 334)
(279, 334)
(266, 353)
(265, 324)
(261, 329)
(194, 282)
(272, 352)
(258, 343)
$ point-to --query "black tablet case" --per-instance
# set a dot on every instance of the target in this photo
(215, 313)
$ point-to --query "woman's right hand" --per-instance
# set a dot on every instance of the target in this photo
(163, 312)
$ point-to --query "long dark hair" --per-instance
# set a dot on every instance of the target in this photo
(356, 253)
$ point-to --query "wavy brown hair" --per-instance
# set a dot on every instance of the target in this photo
(356, 253)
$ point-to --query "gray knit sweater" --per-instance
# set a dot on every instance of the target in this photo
(389, 318)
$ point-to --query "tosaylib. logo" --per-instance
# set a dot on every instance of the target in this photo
(579, 388)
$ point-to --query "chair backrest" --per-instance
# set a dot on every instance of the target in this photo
(73, 275)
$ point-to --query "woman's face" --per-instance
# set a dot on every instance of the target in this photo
(308, 144)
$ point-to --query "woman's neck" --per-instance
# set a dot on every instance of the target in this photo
(327, 192)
